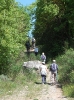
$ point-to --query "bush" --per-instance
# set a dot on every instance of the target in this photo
(14, 71)
(72, 76)
(30, 74)
(31, 56)
(66, 72)
(66, 63)
(69, 90)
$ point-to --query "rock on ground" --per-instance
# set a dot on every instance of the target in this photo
(32, 64)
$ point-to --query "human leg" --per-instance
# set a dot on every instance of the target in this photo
(55, 77)
(51, 77)
(43, 79)
(36, 53)
(34, 45)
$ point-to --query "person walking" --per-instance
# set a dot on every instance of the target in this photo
(43, 72)
(43, 57)
(36, 51)
(27, 44)
(54, 70)
(33, 43)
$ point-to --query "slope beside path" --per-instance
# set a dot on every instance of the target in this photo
(46, 92)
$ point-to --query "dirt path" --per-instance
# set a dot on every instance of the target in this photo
(47, 92)
(51, 92)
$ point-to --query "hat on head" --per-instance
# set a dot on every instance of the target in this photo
(43, 63)
(54, 61)
(42, 53)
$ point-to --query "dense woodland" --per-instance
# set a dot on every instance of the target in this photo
(53, 22)
(14, 25)
(54, 26)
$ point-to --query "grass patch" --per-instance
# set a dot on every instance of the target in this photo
(23, 80)
(66, 72)
(69, 90)
(19, 79)
(6, 87)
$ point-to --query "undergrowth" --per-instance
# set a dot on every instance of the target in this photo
(66, 72)
(17, 78)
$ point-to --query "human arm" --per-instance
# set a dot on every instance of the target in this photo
(57, 68)
(50, 69)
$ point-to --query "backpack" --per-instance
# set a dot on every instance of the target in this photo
(43, 57)
(53, 67)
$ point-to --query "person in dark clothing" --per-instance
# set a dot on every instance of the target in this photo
(33, 43)
(27, 44)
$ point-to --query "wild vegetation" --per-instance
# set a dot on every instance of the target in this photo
(19, 77)
(53, 22)
(14, 25)
(54, 26)
(54, 32)
(66, 72)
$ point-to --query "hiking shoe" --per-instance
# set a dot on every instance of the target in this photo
(43, 83)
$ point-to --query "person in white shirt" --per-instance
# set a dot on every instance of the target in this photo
(43, 72)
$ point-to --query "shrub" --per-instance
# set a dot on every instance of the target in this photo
(14, 71)
(66, 72)
(72, 76)
(30, 74)
(69, 90)
(31, 56)
(66, 63)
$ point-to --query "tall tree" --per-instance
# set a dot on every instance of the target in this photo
(52, 26)
(14, 23)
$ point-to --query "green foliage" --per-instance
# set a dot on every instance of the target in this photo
(51, 10)
(66, 69)
(26, 80)
(31, 56)
(6, 87)
(66, 72)
(54, 26)
(72, 76)
(14, 25)
(31, 74)
(14, 71)
(17, 77)
(69, 90)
